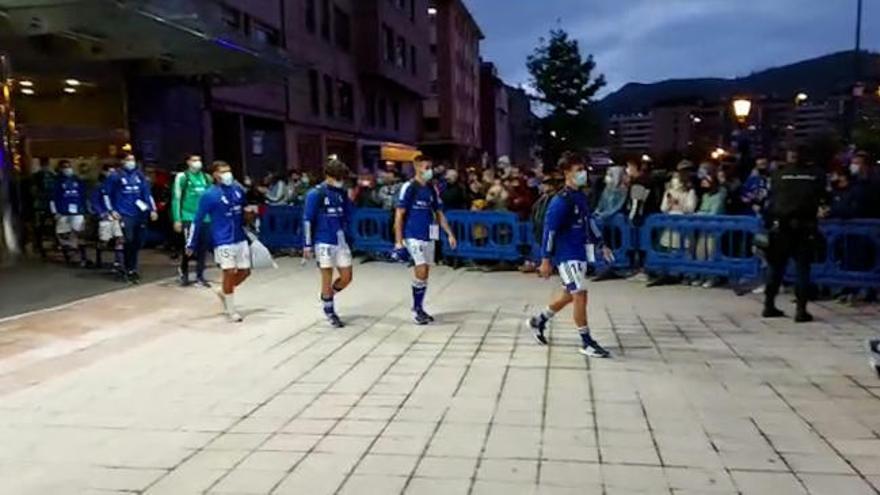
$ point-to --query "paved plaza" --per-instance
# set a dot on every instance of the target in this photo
(148, 390)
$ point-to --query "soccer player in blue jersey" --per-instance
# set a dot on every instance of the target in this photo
(568, 229)
(417, 222)
(224, 203)
(326, 228)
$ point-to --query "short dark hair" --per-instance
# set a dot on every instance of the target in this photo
(219, 164)
(336, 169)
(62, 163)
(421, 158)
(568, 160)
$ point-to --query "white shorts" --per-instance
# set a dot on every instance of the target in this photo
(66, 224)
(574, 276)
(109, 230)
(421, 252)
(233, 256)
(333, 256)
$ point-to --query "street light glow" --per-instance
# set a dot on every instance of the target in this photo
(24, 83)
(432, 11)
(801, 97)
(70, 91)
(742, 107)
(27, 91)
(72, 82)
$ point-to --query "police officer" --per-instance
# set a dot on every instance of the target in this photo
(796, 190)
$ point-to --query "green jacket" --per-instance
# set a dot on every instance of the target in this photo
(186, 193)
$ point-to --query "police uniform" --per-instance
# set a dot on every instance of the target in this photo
(795, 195)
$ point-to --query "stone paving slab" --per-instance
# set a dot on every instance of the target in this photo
(150, 391)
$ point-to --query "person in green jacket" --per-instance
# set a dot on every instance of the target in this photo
(189, 187)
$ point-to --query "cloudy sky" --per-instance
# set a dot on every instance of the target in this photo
(652, 40)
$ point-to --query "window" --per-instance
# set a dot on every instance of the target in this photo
(371, 110)
(383, 113)
(432, 124)
(329, 106)
(346, 100)
(400, 52)
(311, 17)
(232, 18)
(325, 19)
(265, 34)
(412, 10)
(314, 92)
(412, 60)
(388, 34)
(395, 114)
(342, 28)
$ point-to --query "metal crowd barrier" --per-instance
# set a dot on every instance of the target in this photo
(484, 235)
(673, 244)
(701, 245)
(373, 231)
(850, 256)
(281, 227)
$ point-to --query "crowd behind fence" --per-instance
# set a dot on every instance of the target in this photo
(691, 246)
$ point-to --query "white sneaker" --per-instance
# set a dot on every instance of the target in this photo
(234, 317)
(759, 290)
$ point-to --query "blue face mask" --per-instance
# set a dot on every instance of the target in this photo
(580, 178)
(428, 174)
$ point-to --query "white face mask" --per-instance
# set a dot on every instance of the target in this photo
(226, 178)
(854, 169)
(67, 172)
(195, 166)
(130, 165)
(675, 183)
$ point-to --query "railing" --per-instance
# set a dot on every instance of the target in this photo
(701, 245)
(719, 246)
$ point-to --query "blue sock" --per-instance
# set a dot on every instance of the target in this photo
(419, 288)
(586, 339)
(328, 305)
(118, 257)
(546, 315)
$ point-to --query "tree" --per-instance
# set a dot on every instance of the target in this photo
(565, 85)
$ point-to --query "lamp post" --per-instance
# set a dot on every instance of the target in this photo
(742, 108)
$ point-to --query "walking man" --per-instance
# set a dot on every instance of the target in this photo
(68, 204)
(110, 236)
(224, 203)
(129, 200)
(326, 227)
(419, 211)
(189, 187)
(568, 229)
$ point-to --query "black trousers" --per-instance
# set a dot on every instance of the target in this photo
(790, 242)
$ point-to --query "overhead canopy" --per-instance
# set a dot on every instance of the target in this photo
(179, 37)
(396, 152)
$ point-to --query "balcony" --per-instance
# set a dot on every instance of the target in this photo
(157, 37)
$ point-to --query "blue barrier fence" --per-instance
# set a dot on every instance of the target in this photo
(701, 245)
(718, 246)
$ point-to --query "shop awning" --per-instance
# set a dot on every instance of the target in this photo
(395, 152)
(175, 37)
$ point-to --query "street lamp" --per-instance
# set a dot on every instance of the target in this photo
(801, 98)
(742, 107)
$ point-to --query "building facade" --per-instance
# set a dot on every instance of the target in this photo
(495, 128)
(451, 125)
(523, 128)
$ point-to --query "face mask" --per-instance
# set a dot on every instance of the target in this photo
(226, 178)
(675, 183)
(67, 172)
(195, 166)
(428, 174)
(580, 178)
(609, 180)
(129, 165)
(854, 169)
(305, 181)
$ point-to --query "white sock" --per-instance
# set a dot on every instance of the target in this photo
(229, 303)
